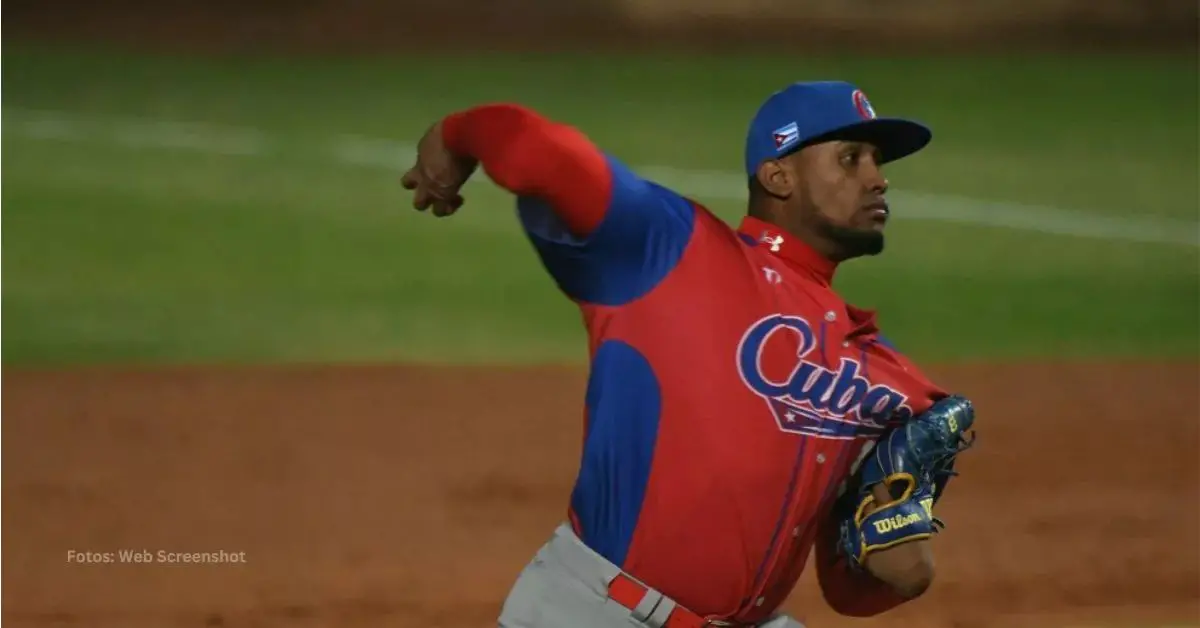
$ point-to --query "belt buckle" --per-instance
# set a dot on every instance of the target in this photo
(717, 623)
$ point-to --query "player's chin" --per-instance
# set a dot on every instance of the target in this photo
(856, 238)
(866, 240)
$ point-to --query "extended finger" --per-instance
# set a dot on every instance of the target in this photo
(422, 198)
(447, 206)
(409, 179)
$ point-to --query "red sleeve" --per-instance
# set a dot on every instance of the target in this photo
(607, 235)
(847, 592)
(530, 155)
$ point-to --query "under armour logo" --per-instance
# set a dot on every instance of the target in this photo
(775, 242)
(772, 275)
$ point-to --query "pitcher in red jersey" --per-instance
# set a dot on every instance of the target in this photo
(738, 412)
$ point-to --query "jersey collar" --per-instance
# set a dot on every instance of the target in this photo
(788, 247)
(803, 257)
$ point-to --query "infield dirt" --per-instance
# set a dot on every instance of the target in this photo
(412, 496)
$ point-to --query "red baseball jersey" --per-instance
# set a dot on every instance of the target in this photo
(731, 389)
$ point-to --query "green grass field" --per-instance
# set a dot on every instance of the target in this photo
(122, 251)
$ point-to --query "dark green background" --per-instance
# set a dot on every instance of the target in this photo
(186, 248)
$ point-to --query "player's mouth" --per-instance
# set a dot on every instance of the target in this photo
(878, 211)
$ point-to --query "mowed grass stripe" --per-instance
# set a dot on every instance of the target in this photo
(123, 254)
(388, 154)
(1036, 130)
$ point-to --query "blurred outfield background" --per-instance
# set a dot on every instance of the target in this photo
(212, 182)
(169, 204)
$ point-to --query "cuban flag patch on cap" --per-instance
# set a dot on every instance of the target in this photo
(787, 135)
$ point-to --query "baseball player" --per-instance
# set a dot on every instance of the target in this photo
(738, 412)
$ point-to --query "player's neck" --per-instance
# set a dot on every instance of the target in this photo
(792, 245)
(824, 247)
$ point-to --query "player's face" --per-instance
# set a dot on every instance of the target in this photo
(842, 193)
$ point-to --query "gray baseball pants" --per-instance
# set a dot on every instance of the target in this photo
(566, 586)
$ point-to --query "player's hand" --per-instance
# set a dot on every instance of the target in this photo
(907, 567)
(438, 175)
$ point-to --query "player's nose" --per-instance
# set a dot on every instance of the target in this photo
(876, 183)
(871, 177)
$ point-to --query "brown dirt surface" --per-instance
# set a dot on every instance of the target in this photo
(412, 496)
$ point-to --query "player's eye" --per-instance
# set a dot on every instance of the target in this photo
(849, 158)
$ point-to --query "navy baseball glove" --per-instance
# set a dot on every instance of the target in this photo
(914, 461)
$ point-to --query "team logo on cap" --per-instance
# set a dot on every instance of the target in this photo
(786, 135)
(863, 105)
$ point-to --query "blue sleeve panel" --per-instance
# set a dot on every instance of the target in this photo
(618, 450)
(641, 238)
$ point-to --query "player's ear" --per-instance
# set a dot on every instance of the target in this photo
(776, 179)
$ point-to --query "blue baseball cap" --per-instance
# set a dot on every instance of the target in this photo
(806, 113)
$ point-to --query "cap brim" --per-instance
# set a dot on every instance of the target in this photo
(895, 137)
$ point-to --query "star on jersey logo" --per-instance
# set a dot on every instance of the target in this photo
(774, 241)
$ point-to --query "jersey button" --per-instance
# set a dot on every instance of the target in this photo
(830, 316)
(820, 458)
(845, 343)
(759, 601)
(796, 531)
